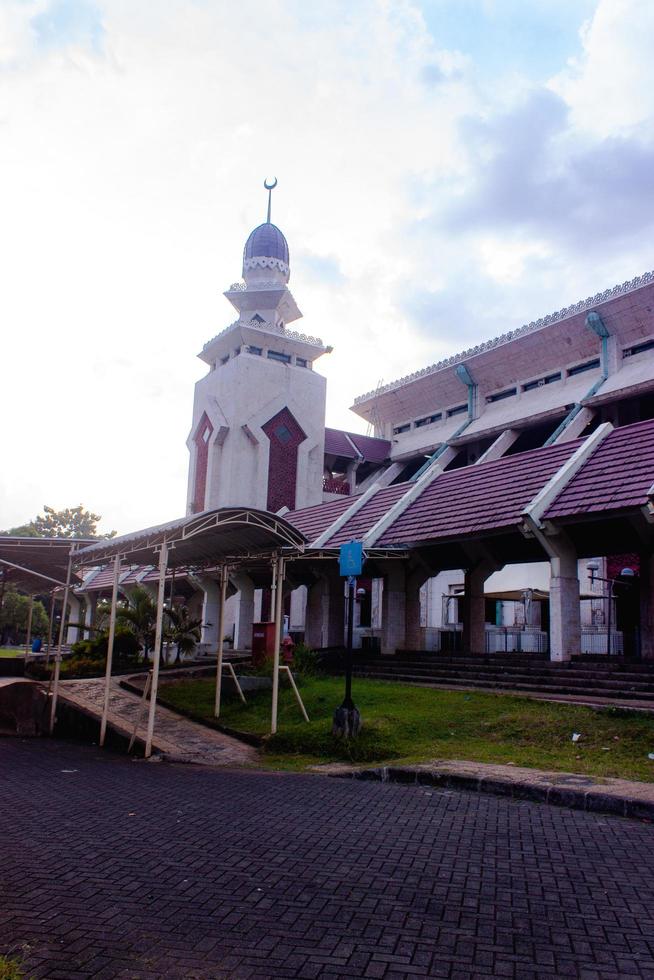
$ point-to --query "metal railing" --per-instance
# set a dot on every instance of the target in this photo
(334, 485)
(595, 641)
(507, 639)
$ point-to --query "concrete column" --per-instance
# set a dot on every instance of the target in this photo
(90, 609)
(414, 639)
(501, 445)
(565, 615)
(474, 607)
(210, 613)
(325, 613)
(244, 611)
(646, 584)
(393, 636)
(75, 606)
(576, 428)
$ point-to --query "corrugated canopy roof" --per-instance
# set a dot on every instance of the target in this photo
(201, 539)
(36, 564)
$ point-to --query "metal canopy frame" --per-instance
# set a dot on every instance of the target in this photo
(196, 540)
(217, 538)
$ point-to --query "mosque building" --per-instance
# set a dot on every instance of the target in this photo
(258, 438)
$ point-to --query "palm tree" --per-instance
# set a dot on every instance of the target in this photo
(184, 630)
(141, 615)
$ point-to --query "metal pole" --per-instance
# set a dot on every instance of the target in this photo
(608, 638)
(221, 630)
(348, 703)
(110, 649)
(279, 595)
(53, 604)
(29, 628)
(55, 686)
(163, 562)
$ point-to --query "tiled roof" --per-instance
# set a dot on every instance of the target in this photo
(617, 475)
(339, 443)
(473, 499)
(373, 450)
(366, 518)
(312, 521)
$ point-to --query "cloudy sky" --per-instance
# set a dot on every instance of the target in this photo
(448, 170)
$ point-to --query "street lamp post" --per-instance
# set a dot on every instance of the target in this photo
(626, 573)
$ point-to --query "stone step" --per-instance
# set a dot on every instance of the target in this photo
(544, 675)
(490, 685)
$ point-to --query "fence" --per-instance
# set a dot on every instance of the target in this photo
(595, 641)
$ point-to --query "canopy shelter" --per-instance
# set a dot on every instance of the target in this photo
(38, 566)
(212, 539)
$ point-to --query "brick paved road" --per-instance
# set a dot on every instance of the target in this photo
(137, 870)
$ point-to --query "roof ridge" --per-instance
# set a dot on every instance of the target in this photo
(527, 328)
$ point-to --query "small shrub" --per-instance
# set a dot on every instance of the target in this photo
(10, 969)
(306, 661)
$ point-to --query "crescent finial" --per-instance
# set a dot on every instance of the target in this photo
(270, 188)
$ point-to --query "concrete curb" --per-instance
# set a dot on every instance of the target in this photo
(597, 798)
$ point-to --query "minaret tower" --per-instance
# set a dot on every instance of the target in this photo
(258, 429)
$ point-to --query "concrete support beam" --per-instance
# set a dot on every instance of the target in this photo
(244, 611)
(498, 448)
(646, 583)
(75, 610)
(210, 611)
(474, 607)
(576, 428)
(90, 610)
(565, 616)
(393, 632)
(413, 630)
(325, 613)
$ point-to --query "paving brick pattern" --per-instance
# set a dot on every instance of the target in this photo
(139, 870)
(178, 738)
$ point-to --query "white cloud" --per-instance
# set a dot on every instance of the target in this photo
(133, 167)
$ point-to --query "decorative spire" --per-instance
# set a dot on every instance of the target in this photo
(270, 188)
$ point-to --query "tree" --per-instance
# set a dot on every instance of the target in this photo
(14, 615)
(73, 522)
(184, 630)
(141, 615)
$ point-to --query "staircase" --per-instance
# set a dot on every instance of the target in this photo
(616, 680)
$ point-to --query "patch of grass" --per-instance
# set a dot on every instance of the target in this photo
(10, 969)
(405, 724)
(7, 652)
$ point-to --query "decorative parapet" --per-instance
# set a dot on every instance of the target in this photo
(268, 328)
(243, 287)
(580, 307)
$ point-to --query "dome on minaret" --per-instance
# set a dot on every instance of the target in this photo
(268, 242)
(265, 256)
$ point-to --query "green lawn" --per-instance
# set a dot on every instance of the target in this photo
(413, 724)
(12, 651)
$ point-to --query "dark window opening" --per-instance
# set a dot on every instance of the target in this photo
(257, 319)
(638, 348)
(501, 395)
(428, 419)
(277, 355)
(283, 434)
(399, 429)
(457, 410)
(580, 368)
(254, 350)
(301, 361)
(547, 380)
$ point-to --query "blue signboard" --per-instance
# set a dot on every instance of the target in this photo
(351, 558)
